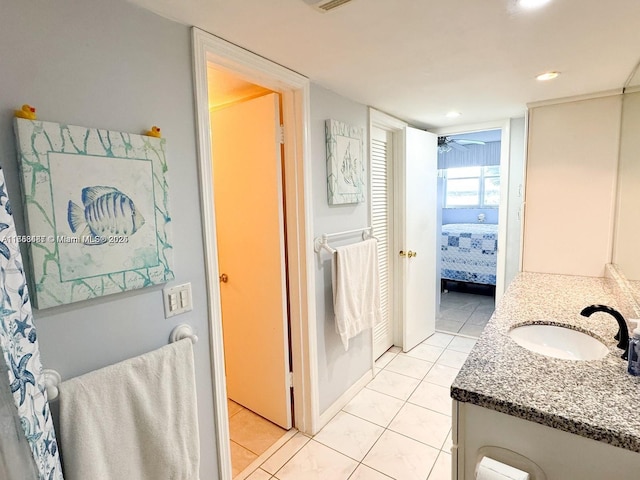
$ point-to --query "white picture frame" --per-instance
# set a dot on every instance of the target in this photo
(96, 210)
(345, 163)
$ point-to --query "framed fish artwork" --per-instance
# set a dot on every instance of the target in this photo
(345, 163)
(96, 210)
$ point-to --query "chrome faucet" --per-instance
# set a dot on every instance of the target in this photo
(623, 334)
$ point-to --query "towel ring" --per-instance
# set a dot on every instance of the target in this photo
(181, 332)
(51, 381)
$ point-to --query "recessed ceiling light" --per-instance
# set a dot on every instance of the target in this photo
(547, 76)
(531, 4)
(453, 114)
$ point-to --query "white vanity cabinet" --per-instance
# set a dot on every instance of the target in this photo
(553, 418)
(559, 455)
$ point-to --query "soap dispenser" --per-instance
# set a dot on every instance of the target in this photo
(634, 350)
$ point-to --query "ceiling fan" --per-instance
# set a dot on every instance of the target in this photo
(446, 144)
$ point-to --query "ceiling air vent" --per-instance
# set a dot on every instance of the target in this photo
(326, 5)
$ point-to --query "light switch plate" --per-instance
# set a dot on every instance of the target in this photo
(177, 300)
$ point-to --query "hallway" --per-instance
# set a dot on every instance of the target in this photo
(398, 427)
(464, 313)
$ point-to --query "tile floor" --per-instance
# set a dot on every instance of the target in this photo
(398, 427)
(464, 313)
(251, 436)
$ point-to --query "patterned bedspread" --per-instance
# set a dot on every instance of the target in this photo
(469, 252)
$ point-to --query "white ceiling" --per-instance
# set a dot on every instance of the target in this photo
(225, 88)
(482, 135)
(419, 59)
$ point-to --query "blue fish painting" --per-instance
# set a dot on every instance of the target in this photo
(107, 211)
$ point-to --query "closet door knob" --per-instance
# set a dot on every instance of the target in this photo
(412, 254)
(224, 278)
(403, 253)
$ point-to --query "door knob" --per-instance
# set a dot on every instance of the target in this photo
(412, 254)
(403, 253)
(224, 278)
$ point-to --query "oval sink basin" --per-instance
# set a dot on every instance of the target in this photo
(559, 342)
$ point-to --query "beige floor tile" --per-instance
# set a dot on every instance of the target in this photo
(375, 407)
(466, 306)
(349, 435)
(471, 330)
(367, 473)
(434, 397)
(453, 304)
(449, 326)
(384, 359)
(455, 315)
(409, 366)
(439, 339)
(315, 461)
(448, 443)
(478, 318)
(441, 375)
(393, 384)
(485, 309)
(452, 358)
(253, 432)
(462, 344)
(233, 407)
(422, 424)
(241, 458)
(416, 443)
(429, 353)
(259, 475)
(284, 453)
(401, 457)
(487, 300)
(442, 468)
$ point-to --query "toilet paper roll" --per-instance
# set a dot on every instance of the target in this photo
(490, 469)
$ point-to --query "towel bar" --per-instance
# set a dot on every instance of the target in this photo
(51, 381)
(52, 378)
(183, 331)
(322, 241)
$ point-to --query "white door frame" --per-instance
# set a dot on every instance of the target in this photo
(398, 129)
(294, 89)
(505, 139)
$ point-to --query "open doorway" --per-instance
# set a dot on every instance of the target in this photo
(247, 170)
(469, 167)
(403, 187)
(293, 90)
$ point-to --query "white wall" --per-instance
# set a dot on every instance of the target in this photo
(337, 370)
(571, 183)
(111, 65)
(627, 231)
(516, 197)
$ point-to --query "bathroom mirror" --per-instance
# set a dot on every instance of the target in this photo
(626, 241)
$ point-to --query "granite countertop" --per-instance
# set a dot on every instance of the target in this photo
(596, 399)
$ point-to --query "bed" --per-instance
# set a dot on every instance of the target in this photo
(469, 253)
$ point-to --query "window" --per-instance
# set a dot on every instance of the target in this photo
(472, 187)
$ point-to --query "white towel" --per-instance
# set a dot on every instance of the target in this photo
(356, 289)
(134, 420)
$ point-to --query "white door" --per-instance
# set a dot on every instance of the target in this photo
(381, 199)
(418, 237)
(248, 200)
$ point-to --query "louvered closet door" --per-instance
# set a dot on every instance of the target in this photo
(381, 157)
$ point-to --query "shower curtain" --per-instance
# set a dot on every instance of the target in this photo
(25, 422)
